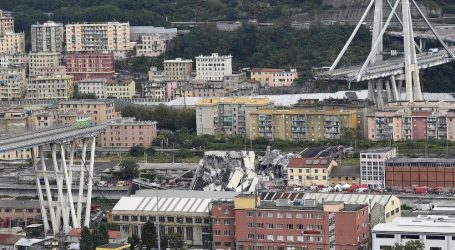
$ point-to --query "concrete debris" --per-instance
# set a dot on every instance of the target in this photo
(273, 165)
(226, 171)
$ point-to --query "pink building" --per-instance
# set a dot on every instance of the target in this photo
(54, 117)
(15, 212)
(84, 65)
(274, 77)
(128, 132)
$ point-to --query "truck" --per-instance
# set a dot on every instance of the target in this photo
(433, 51)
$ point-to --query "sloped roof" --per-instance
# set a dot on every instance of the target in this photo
(9, 239)
(309, 163)
(76, 232)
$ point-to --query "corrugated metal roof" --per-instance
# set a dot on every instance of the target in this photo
(171, 201)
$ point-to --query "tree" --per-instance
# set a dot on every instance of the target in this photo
(149, 235)
(410, 245)
(133, 241)
(86, 242)
(103, 234)
(129, 170)
(137, 151)
(173, 241)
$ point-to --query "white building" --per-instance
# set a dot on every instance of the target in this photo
(372, 165)
(437, 232)
(156, 75)
(213, 67)
(176, 211)
(95, 86)
(47, 37)
(151, 41)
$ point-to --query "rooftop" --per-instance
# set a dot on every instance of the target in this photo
(129, 121)
(377, 150)
(9, 239)
(345, 170)
(76, 232)
(267, 70)
(151, 29)
(88, 101)
(234, 100)
(427, 224)
(20, 204)
(177, 201)
(213, 55)
(309, 163)
(178, 60)
(420, 160)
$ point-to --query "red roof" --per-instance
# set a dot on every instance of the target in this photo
(267, 70)
(9, 239)
(322, 162)
(76, 232)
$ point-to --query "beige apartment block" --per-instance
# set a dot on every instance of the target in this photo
(121, 89)
(111, 36)
(213, 67)
(12, 43)
(6, 22)
(153, 44)
(43, 60)
(178, 69)
(101, 110)
(227, 116)
(310, 171)
(50, 87)
(12, 83)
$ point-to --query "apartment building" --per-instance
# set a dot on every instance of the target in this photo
(6, 22)
(53, 117)
(178, 69)
(155, 75)
(113, 37)
(12, 43)
(345, 174)
(18, 59)
(14, 213)
(38, 62)
(411, 125)
(128, 132)
(227, 116)
(180, 211)
(301, 125)
(213, 67)
(232, 82)
(436, 232)
(121, 88)
(274, 77)
(12, 83)
(92, 86)
(50, 87)
(152, 41)
(281, 225)
(91, 65)
(208, 91)
(101, 110)
(406, 173)
(155, 91)
(372, 165)
(47, 37)
(310, 171)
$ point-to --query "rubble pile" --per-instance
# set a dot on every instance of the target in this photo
(226, 171)
(273, 165)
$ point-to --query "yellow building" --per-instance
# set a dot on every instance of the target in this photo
(50, 87)
(345, 174)
(111, 36)
(114, 246)
(227, 116)
(274, 77)
(310, 171)
(300, 124)
(42, 60)
(121, 89)
(178, 69)
(12, 43)
(101, 110)
(18, 155)
(12, 83)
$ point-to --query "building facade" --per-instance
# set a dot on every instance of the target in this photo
(113, 37)
(128, 132)
(47, 37)
(37, 62)
(6, 22)
(178, 69)
(92, 86)
(282, 225)
(90, 65)
(155, 91)
(227, 116)
(154, 42)
(213, 67)
(12, 43)
(274, 77)
(18, 59)
(50, 87)
(14, 213)
(310, 171)
(12, 83)
(101, 110)
(436, 232)
(372, 166)
(121, 88)
(301, 125)
(179, 211)
(406, 173)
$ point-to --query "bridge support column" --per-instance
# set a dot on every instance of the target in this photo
(40, 190)
(380, 90)
(90, 183)
(394, 89)
(388, 91)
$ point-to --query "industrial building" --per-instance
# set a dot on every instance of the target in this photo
(174, 211)
(436, 232)
(372, 165)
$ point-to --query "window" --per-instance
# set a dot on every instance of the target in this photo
(227, 233)
(250, 225)
(299, 216)
(435, 237)
(251, 236)
(410, 236)
(290, 226)
(279, 238)
(198, 220)
(270, 226)
(300, 227)
(309, 216)
(261, 237)
(435, 248)
(289, 215)
(259, 214)
(216, 221)
(189, 233)
(143, 218)
(279, 226)
(290, 238)
(170, 219)
(279, 215)
(249, 214)
(125, 218)
(300, 238)
(270, 215)
(227, 222)
(217, 232)
(189, 220)
(260, 225)
(226, 211)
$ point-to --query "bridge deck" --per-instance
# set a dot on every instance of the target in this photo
(38, 138)
(384, 69)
